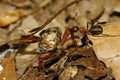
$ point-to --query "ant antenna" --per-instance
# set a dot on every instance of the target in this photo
(106, 35)
(76, 14)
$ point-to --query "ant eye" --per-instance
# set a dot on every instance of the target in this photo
(75, 28)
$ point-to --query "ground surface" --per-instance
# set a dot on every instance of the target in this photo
(97, 62)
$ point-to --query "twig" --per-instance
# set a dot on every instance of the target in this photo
(35, 30)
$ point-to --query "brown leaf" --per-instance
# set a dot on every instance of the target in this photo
(107, 49)
(8, 72)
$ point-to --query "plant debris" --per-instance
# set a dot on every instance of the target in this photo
(35, 42)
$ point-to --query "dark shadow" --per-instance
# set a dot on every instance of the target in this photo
(115, 14)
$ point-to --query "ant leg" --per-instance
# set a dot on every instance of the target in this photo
(86, 41)
(88, 25)
(101, 22)
(65, 35)
(73, 37)
(42, 59)
(41, 65)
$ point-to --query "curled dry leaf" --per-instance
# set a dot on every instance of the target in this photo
(8, 15)
(8, 72)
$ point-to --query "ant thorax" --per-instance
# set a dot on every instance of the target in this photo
(50, 39)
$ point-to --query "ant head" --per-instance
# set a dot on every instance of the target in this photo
(74, 29)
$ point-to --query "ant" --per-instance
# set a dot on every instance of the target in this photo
(94, 30)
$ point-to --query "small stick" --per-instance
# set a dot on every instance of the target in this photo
(35, 30)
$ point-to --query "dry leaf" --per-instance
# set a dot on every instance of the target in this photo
(23, 62)
(107, 49)
(8, 15)
(8, 72)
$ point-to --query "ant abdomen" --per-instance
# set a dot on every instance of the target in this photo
(96, 30)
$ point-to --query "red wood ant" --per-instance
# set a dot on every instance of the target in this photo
(94, 30)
